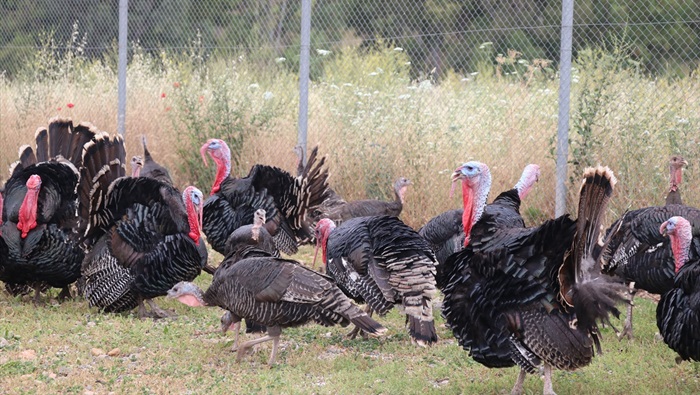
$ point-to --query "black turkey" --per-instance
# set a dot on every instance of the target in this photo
(383, 262)
(678, 311)
(275, 292)
(635, 252)
(530, 296)
(446, 234)
(286, 200)
(143, 234)
(41, 247)
(369, 207)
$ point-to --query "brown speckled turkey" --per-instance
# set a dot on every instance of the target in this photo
(275, 292)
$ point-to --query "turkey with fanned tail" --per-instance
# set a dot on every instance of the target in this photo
(287, 200)
(41, 246)
(530, 296)
(143, 234)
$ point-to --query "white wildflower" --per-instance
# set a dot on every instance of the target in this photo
(268, 95)
(404, 96)
(323, 52)
(398, 49)
(253, 86)
(280, 60)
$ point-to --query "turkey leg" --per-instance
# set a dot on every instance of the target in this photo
(518, 387)
(627, 329)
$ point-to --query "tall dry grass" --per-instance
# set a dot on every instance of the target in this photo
(376, 124)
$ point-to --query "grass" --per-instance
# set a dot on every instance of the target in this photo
(63, 349)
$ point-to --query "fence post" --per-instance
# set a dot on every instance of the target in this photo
(121, 84)
(304, 75)
(567, 27)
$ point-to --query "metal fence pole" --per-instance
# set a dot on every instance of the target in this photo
(121, 84)
(567, 22)
(304, 74)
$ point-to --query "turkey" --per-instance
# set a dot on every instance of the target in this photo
(445, 232)
(676, 165)
(253, 236)
(39, 218)
(369, 207)
(678, 311)
(634, 251)
(530, 296)
(383, 262)
(275, 292)
(249, 240)
(285, 199)
(143, 234)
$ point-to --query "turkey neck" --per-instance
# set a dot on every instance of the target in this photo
(400, 194)
(676, 178)
(474, 194)
(28, 211)
(525, 184)
(194, 220)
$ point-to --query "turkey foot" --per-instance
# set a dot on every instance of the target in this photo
(156, 312)
(64, 294)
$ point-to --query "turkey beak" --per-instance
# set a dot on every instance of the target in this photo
(203, 152)
(662, 229)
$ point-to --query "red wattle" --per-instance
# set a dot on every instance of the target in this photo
(468, 214)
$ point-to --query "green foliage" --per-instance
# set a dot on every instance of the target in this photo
(596, 73)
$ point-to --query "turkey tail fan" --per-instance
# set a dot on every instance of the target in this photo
(26, 159)
(317, 178)
(592, 297)
(596, 190)
(82, 134)
(41, 141)
(103, 162)
(314, 179)
(60, 137)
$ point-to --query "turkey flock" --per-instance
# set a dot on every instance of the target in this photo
(532, 296)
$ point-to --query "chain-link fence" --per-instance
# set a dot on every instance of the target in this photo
(398, 88)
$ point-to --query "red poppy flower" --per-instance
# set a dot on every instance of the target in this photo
(70, 105)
